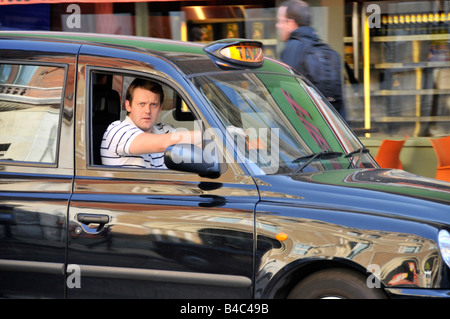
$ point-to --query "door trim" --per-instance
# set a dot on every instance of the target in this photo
(179, 277)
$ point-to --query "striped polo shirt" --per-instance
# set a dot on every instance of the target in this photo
(115, 147)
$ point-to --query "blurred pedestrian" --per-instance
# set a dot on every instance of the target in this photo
(306, 53)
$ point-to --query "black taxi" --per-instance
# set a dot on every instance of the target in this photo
(278, 199)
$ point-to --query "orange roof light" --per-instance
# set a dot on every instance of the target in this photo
(243, 52)
(237, 53)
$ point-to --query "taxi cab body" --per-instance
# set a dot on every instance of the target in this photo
(280, 200)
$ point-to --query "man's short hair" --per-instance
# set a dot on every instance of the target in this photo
(298, 11)
(146, 85)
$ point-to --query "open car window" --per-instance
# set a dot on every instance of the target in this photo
(107, 100)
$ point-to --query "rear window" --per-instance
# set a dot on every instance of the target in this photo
(30, 109)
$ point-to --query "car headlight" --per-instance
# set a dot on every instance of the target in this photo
(444, 245)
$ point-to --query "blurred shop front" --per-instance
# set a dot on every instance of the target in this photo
(395, 54)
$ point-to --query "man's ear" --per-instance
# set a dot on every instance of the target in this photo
(127, 106)
(293, 25)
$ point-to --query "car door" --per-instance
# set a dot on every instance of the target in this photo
(36, 165)
(149, 232)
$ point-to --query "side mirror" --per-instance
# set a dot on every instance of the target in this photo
(191, 158)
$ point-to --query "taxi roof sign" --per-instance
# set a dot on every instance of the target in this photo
(237, 53)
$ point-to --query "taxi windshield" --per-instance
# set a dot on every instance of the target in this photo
(278, 124)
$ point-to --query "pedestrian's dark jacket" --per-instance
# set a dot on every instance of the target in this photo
(292, 53)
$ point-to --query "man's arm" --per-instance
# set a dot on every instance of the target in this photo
(146, 143)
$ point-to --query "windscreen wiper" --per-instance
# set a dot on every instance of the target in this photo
(359, 151)
(315, 156)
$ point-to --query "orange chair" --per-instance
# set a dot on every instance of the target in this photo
(388, 155)
(442, 149)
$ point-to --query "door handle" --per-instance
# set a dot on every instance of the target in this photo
(91, 223)
(93, 219)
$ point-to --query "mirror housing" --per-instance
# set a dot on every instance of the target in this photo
(191, 158)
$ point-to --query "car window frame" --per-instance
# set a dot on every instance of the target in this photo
(124, 73)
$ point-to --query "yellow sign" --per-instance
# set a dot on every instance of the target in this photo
(244, 53)
(236, 53)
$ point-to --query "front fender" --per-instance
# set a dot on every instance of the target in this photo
(393, 252)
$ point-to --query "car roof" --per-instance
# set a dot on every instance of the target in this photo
(156, 44)
(181, 53)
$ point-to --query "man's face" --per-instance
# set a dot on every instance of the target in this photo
(144, 108)
(284, 25)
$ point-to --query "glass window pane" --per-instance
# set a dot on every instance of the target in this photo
(275, 123)
(30, 107)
